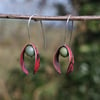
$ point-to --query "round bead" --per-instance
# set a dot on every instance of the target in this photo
(63, 52)
(29, 50)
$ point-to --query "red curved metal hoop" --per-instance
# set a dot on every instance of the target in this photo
(37, 59)
(56, 60)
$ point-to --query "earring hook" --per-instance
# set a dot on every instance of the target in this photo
(43, 33)
(28, 26)
(71, 31)
(67, 24)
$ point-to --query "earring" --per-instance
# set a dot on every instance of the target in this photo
(64, 51)
(31, 50)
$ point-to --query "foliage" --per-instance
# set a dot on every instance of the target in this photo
(83, 83)
(90, 7)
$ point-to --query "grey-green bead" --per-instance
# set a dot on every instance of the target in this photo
(63, 52)
(29, 50)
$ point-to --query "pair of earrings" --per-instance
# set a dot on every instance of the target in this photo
(31, 50)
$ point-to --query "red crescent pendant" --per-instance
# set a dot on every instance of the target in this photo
(56, 60)
(37, 59)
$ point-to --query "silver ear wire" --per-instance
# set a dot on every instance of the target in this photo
(43, 34)
(28, 26)
(71, 31)
(66, 30)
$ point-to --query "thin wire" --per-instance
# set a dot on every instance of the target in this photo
(71, 33)
(28, 26)
(66, 29)
(43, 34)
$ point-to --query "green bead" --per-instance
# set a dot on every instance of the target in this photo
(29, 50)
(63, 52)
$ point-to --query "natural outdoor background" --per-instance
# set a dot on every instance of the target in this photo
(82, 84)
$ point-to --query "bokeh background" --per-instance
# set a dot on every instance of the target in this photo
(82, 84)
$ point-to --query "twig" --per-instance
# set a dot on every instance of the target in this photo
(53, 18)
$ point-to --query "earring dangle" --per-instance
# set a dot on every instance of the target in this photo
(64, 51)
(30, 50)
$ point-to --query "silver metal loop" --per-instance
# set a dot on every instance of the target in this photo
(28, 26)
(66, 30)
(43, 34)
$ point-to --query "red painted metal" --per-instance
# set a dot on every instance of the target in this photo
(37, 59)
(56, 60)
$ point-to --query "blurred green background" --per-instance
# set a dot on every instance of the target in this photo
(82, 84)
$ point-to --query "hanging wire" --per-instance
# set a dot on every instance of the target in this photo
(71, 31)
(28, 26)
(42, 28)
(43, 34)
(66, 30)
